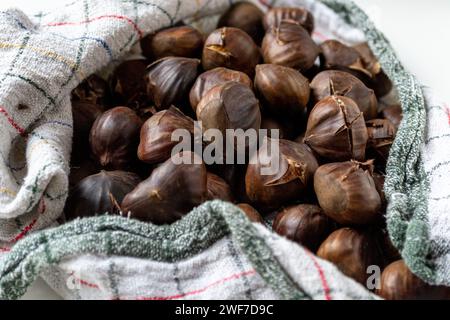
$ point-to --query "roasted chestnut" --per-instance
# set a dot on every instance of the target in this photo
(156, 135)
(231, 48)
(251, 213)
(229, 106)
(275, 178)
(336, 130)
(275, 16)
(218, 188)
(381, 137)
(399, 283)
(184, 41)
(379, 180)
(99, 194)
(290, 45)
(305, 224)
(114, 138)
(94, 90)
(335, 53)
(283, 91)
(245, 16)
(128, 83)
(394, 114)
(82, 170)
(335, 82)
(170, 79)
(170, 192)
(84, 115)
(208, 80)
(353, 252)
(382, 85)
(347, 192)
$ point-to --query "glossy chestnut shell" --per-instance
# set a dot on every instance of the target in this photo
(251, 213)
(218, 188)
(114, 138)
(301, 16)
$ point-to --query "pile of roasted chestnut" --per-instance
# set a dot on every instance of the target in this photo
(257, 71)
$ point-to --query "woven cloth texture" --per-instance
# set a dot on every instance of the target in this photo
(46, 56)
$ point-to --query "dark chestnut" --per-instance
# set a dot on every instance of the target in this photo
(231, 48)
(84, 115)
(335, 82)
(305, 224)
(293, 170)
(290, 45)
(229, 106)
(170, 79)
(209, 79)
(245, 16)
(99, 194)
(114, 138)
(335, 53)
(128, 83)
(94, 90)
(184, 41)
(156, 135)
(353, 252)
(80, 171)
(218, 188)
(336, 130)
(347, 192)
(283, 91)
(399, 283)
(301, 16)
(269, 124)
(170, 192)
(381, 137)
(251, 213)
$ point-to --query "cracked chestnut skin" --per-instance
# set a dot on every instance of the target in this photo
(296, 167)
(347, 192)
(231, 48)
(336, 130)
(171, 191)
(297, 15)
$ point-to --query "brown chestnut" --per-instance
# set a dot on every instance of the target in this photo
(80, 171)
(381, 84)
(94, 90)
(394, 114)
(84, 115)
(99, 194)
(381, 137)
(283, 91)
(353, 252)
(184, 41)
(251, 213)
(305, 224)
(231, 48)
(114, 138)
(218, 188)
(209, 79)
(399, 283)
(171, 191)
(231, 105)
(335, 53)
(347, 192)
(336, 130)
(245, 16)
(294, 167)
(335, 82)
(156, 135)
(275, 16)
(290, 45)
(128, 83)
(170, 79)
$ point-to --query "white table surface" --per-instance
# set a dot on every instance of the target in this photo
(419, 30)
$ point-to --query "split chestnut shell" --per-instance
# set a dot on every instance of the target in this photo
(300, 16)
(347, 192)
(336, 130)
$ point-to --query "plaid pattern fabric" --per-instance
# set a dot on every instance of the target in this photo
(45, 57)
